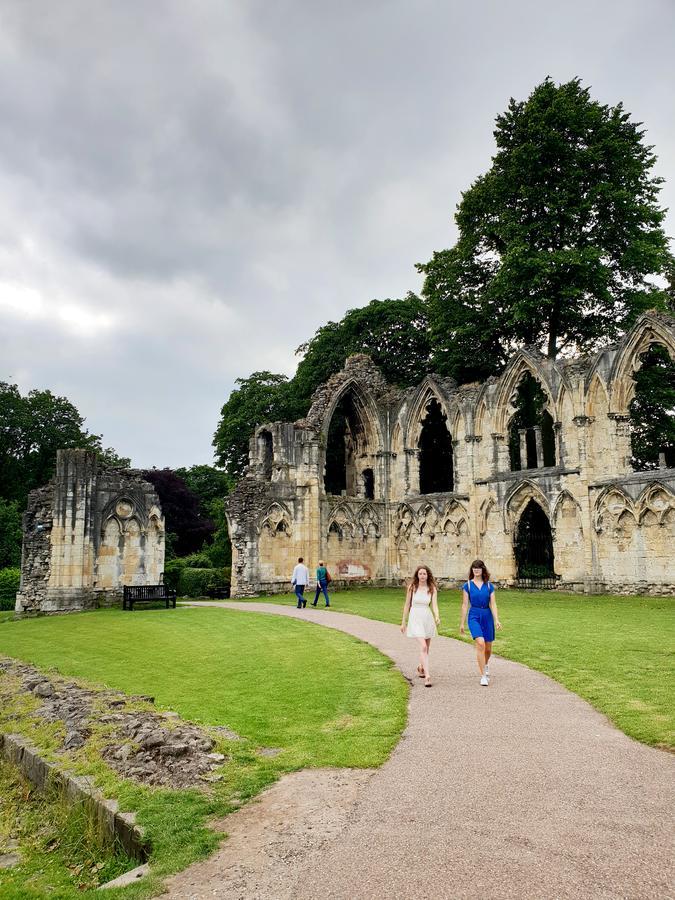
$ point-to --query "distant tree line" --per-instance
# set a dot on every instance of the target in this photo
(35, 425)
(561, 247)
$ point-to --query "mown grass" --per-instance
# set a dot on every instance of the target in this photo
(618, 653)
(276, 682)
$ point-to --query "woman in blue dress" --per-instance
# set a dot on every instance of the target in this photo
(478, 597)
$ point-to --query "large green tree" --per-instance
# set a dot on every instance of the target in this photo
(394, 333)
(32, 428)
(263, 397)
(558, 242)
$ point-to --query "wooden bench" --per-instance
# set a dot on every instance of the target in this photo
(147, 593)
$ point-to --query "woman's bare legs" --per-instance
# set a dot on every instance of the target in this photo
(424, 655)
(480, 654)
(488, 651)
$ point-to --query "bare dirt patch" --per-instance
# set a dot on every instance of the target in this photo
(298, 816)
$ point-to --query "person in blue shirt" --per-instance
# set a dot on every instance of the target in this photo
(478, 597)
(322, 578)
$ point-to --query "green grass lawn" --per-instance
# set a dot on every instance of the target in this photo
(616, 652)
(276, 682)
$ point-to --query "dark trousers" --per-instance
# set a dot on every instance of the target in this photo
(321, 586)
(299, 591)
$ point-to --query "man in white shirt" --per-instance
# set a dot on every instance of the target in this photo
(300, 580)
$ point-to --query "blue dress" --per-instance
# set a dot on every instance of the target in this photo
(480, 621)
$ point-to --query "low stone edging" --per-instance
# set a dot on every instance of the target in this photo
(115, 824)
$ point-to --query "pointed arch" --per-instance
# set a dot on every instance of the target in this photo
(428, 390)
(369, 522)
(365, 405)
(650, 328)
(597, 397)
(522, 363)
(341, 520)
(518, 498)
(277, 519)
(349, 442)
(655, 503)
(611, 504)
(564, 497)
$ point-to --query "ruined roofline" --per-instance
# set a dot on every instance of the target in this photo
(360, 369)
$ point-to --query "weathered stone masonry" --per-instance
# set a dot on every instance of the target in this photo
(608, 528)
(87, 533)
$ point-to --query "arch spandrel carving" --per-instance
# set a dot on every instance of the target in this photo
(277, 519)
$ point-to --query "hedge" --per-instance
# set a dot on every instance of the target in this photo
(9, 585)
(190, 582)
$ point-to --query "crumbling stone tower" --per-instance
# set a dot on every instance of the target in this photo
(87, 533)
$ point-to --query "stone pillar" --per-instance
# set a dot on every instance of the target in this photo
(621, 441)
(539, 446)
(500, 453)
(522, 434)
(72, 545)
(412, 470)
(582, 423)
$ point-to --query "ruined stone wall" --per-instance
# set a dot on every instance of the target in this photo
(87, 533)
(610, 528)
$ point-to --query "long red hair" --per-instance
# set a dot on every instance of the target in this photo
(415, 581)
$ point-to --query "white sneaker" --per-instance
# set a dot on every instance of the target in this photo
(487, 669)
(485, 681)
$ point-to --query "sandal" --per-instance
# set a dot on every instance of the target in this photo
(420, 671)
(427, 682)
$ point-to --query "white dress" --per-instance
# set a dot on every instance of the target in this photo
(421, 620)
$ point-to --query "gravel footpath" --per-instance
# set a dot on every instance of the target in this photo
(517, 790)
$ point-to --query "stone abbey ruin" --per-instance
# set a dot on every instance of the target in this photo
(88, 532)
(376, 480)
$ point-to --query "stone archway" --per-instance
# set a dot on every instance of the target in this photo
(533, 547)
(435, 446)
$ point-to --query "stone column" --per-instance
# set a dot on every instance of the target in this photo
(500, 453)
(539, 446)
(72, 560)
(412, 470)
(522, 434)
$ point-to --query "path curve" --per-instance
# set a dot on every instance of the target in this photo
(519, 790)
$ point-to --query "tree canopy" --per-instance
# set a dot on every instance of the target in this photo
(558, 241)
(263, 397)
(185, 517)
(395, 333)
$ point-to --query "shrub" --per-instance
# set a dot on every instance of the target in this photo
(199, 582)
(9, 585)
(200, 560)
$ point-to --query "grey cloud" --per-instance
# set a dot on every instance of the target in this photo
(221, 178)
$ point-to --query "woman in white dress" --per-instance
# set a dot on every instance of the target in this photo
(421, 611)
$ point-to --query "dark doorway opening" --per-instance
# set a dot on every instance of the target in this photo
(368, 484)
(533, 548)
(435, 445)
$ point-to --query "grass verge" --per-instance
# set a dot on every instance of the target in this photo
(276, 682)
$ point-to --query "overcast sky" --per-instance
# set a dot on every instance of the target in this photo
(188, 190)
